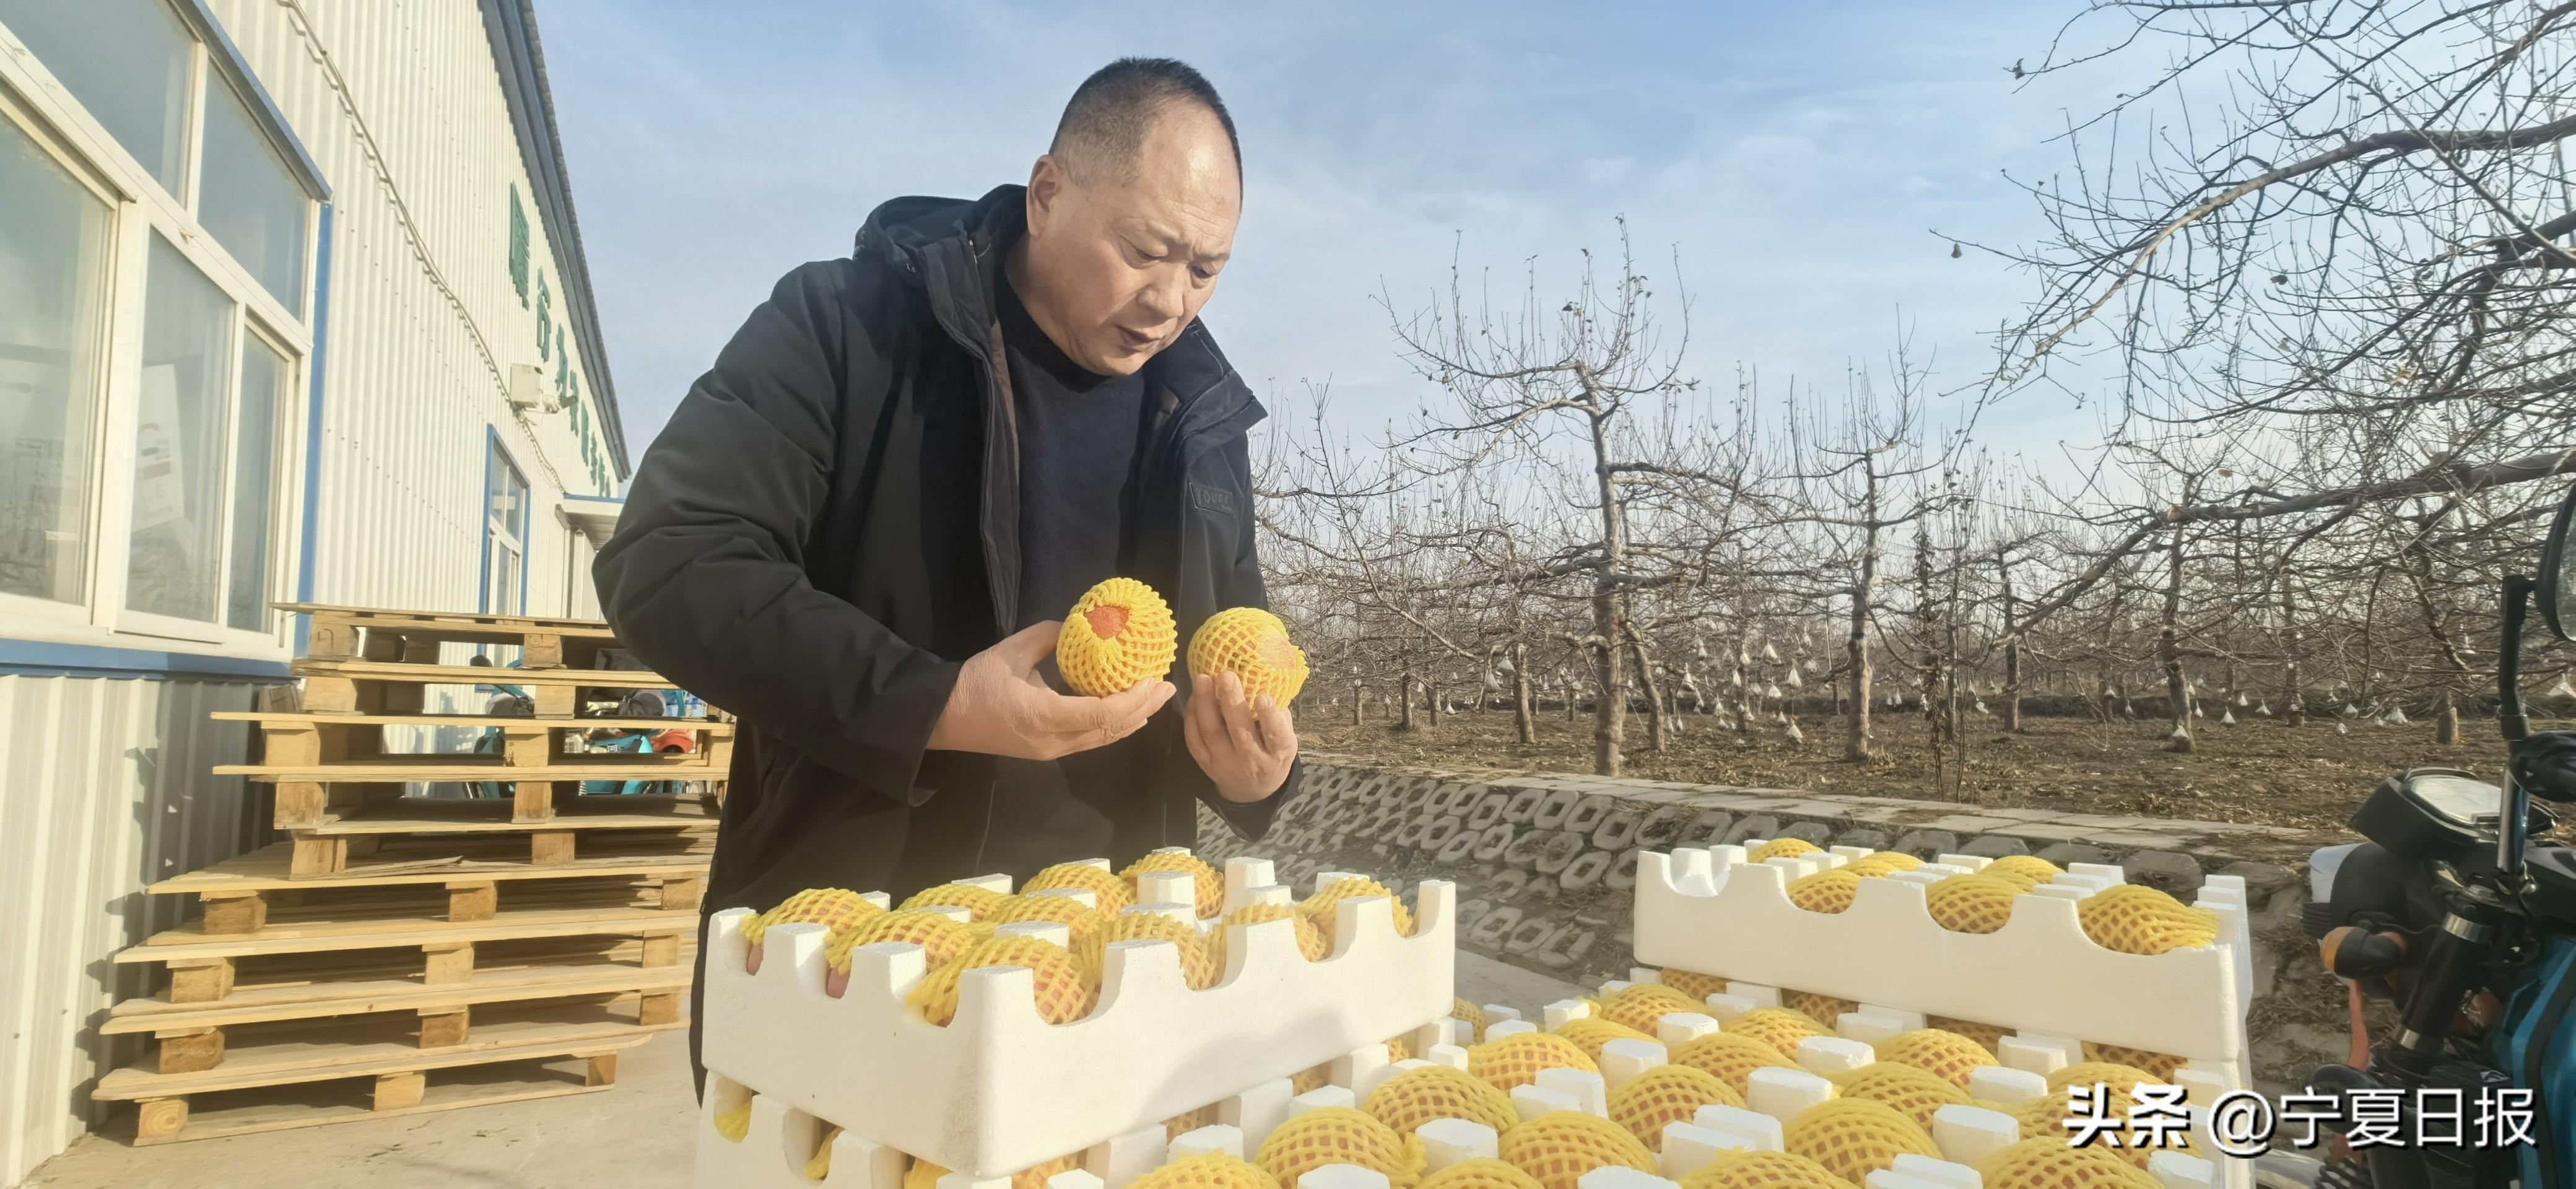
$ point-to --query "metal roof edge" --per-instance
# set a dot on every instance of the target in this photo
(511, 26)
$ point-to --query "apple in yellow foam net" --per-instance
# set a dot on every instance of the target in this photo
(1251, 644)
(1119, 634)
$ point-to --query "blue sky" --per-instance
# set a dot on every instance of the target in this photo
(1796, 156)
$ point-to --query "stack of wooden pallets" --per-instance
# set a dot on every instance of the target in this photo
(407, 953)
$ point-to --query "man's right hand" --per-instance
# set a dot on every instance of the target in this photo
(1002, 707)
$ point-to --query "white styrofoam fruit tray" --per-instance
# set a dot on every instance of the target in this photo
(999, 1089)
(781, 1140)
(2040, 973)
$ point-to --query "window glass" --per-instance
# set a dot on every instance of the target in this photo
(127, 63)
(264, 379)
(505, 532)
(249, 201)
(53, 297)
(173, 557)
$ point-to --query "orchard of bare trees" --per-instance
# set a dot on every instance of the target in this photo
(2315, 278)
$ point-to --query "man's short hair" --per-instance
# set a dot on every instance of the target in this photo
(1105, 122)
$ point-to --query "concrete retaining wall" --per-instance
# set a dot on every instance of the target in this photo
(1546, 865)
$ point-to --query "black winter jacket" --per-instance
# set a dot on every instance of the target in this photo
(828, 527)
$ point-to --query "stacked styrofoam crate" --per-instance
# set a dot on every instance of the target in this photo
(1712, 911)
(999, 1090)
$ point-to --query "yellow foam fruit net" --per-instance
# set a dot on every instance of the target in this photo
(1515, 1060)
(1589, 1033)
(1251, 644)
(1783, 848)
(1694, 984)
(1733, 1058)
(922, 1174)
(1777, 1027)
(1854, 1137)
(1211, 889)
(1320, 909)
(2029, 871)
(2048, 1163)
(1882, 862)
(1558, 1147)
(1989, 1037)
(1120, 633)
(1198, 967)
(1946, 1055)
(1914, 1093)
(736, 1123)
(1310, 940)
(1667, 1094)
(1763, 1170)
(832, 908)
(2159, 1067)
(2135, 919)
(1216, 1170)
(2044, 1117)
(1417, 1096)
(1971, 903)
(821, 1165)
(979, 903)
(1825, 1010)
(1108, 891)
(1084, 926)
(1825, 891)
(940, 938)
(1338, 1135)
(1484, 1172)
(1473, 1015)
(2123, 1078)
(1641, 1005)
(1188, 1121)
(1063, 994)
(1313, 1077)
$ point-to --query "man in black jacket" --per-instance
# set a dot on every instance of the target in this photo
(859, 530)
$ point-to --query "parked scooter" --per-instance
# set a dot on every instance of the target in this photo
(2455, 914)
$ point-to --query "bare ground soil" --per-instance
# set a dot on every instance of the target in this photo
(2261, 771)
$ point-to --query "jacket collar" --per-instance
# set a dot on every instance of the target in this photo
(953, 248)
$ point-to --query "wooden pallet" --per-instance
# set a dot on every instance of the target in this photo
(324, 765)
(316, 985)
(329, 846)
(429, 949)
(245, 908)
(668, 856)
(397, 687)
(194, 1039)
(361, 1085)
(366, 633)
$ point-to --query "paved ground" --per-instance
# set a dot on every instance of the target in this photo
(640, 1135)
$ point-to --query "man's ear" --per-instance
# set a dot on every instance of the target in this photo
(1047, 183)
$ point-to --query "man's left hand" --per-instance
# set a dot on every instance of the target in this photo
(1244, 746)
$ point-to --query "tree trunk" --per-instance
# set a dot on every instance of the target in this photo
(2446, 721)
(1654, 693)
(2297, 711)
(2012, 661)
(2169, 650)
(1404, 717)
(1609, 610)
(1524, 716)
(1356, 703)
(1431, 700)
(1856, 645)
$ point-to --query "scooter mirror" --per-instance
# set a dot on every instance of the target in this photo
(2557, 583)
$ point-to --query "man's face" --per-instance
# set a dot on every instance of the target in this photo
(1116, 270)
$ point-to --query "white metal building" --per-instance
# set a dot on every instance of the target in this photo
(292, 305)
